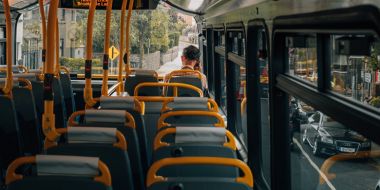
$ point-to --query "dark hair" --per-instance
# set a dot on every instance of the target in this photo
(191, 53)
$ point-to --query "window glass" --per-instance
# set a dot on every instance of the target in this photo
(302, 58)
(313, 144)
(223, 76)
(355, 64)
(157, 38)
(262, 60)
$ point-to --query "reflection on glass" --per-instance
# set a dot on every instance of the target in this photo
(302, 58)
(355, 71)
(223, 82)
(322, 146)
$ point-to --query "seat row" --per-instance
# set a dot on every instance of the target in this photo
(122, 119)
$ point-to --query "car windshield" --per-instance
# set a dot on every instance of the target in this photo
(330, 122)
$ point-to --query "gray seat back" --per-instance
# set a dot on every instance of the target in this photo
(68, 94)
(141, 76)
(30, 128)
(183, 92)
(151, 116)
(98, 142)
(117, 119)
(63, 172)
(11, 145)
(204, 183)
(129, 104)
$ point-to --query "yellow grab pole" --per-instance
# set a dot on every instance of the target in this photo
(48, 117)
(88, 98)
(57, 65)
(106, 47)
(9, 82)
(122, 24)
(127, 53)
(43, 22)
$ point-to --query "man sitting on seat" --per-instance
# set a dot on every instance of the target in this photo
(190, 59)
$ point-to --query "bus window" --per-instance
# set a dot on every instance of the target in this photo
(354, 73)
(302, 58)
(157, 38)
(317, 139)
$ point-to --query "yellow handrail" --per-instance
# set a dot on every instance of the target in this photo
(43, 23)
(327, 164)
(127, 52)
(9, 82)
(153, 178)
(88, 97)
(48, 117)
(122, 24)
(106, 47)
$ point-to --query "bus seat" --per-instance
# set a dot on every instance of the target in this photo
(140, 76)
(155, 180)
(151, 116)
(125, 123)
(11, 145)
(190, 104)
(190, 118)
(108, 144)
(59, 103)
(136, 109)
(59, 171)
(30, 128)
(187, 104)
(194, 141)
(68, 94)
(182, 92)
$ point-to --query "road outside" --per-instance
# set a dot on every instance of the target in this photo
(176, 63)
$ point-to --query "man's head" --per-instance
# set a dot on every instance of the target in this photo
(190, 56)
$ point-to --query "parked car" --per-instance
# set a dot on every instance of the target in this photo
(328, 137)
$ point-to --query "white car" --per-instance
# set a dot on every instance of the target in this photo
(378, 185)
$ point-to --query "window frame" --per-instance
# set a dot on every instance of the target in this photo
(353, 115)
(233, 63)
(254, 101)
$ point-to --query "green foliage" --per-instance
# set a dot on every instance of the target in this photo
(375, 102)
(76, 65)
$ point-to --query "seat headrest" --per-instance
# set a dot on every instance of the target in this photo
(67, 165)
(124, 103)
(105, 116)
(214, 135)
(28, 76)
(189, 103)
(99, 135)
(141, 72)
